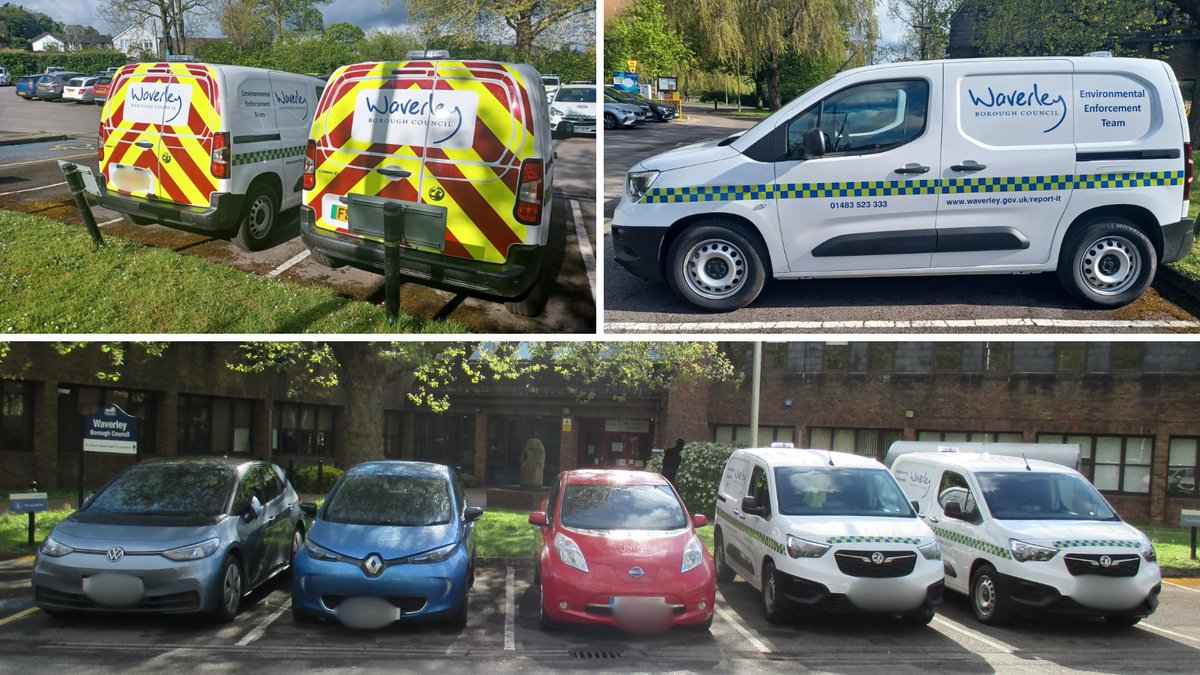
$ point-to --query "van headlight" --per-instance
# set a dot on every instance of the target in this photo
(1023, 551)
(637, 183)
(569, 553)
(54, 549)
(803, 548)
(931, 551)
(436, 555)
(1148, 553)
(693, 555)
(194, 551)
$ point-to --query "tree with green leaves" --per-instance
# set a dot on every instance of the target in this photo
(641, 33)
(345, 33)
(16, 21)
(244, 23)
(1041, 28)
(527, 19)
(301, 16)
(927, 35)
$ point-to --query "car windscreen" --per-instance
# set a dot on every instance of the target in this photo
(576, 95)
(401, 501)
(829, 491)
(167, 489)
(1024, 495)
(622, 507)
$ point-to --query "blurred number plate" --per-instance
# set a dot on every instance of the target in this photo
(637, 604)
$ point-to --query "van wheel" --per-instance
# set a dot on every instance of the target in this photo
(535, 300)
(1122, 621)
(258, 218)
(1107, 263)
(725, 573)
(324, 260)
(716, 267)
(610, 122)
(985, 597)
(921, 617)
(773, 603)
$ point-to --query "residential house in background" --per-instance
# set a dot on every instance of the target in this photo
(139, 39)
(58, 42)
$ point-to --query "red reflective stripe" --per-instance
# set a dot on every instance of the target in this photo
(475, 206)
(205, 184)
(454, 248)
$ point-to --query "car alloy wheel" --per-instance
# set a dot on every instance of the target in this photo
(231, 588)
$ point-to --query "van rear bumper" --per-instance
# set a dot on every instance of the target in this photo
(510, 280)
(1178, 239)
(219, 218)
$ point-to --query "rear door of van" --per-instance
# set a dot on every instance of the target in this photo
(447, 134)
(188, 132)
(129, 129)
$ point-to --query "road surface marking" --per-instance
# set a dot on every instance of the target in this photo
(1172, 633)
(49, 159)
(585, 246)
(13, 585)
(289, 264)
(745, 632)
(109, 222)
(975, 635)
(1186, 588)
(42, 187)
(510, 640)
(18, 616)
(758, 326)
(261, 628)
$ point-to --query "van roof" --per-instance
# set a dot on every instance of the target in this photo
(229, 71)
(1114, 63)
(969, 461)
(808, 457)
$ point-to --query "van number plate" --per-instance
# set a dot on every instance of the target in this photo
(340, 213)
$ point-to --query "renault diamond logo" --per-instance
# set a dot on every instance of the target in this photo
(373, 565)
(877, 558)
(1105, 561)
(115, 554)
(637, 572)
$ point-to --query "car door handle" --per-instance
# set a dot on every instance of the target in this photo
(392, 173)
(969, 165)
(145, 145)
(912, 168)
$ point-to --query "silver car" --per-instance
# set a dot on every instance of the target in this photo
(184, 535)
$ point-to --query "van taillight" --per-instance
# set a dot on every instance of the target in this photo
(310, 165)
(1189, 171)
(529, 193)
(101, 139)
(220, 155)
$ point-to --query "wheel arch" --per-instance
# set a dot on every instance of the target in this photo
(1140, 217)
(722, 219)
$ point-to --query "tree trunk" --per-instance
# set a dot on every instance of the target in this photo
(773, 94)
(523, 29)
(363, 381)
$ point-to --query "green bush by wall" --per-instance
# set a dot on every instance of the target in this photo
(21, 63)
(700, 468)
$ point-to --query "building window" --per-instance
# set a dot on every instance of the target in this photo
(1112, 463)
(214, 425)
(16, 416)
(947, 357)
(836, 357)
(1127, 355)
(971, 436)
(1181, 468)
(881, 357)
(1070, 357)
(446, 439)
(740, 434)
(867, 442)
(147, 45)
(392, 439)
(997, 356)
(303, 429)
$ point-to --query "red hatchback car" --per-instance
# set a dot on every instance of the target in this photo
(618, 548)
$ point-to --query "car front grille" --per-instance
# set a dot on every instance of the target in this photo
(576, 117)
(863, 563)
(172, 602)
(1119, 564)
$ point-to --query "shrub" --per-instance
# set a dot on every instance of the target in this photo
(34, 63)
(700, 468)
(305, 479)
(468, 480)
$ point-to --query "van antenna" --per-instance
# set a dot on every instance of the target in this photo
(1027, 468)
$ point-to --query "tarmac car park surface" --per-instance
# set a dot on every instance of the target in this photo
(952, 304)
(31, 181)
(502, 635)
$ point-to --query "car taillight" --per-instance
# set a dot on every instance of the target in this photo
(220, 155)
(310, 165)
(101, 139)
(529, 193)
(1189, 171)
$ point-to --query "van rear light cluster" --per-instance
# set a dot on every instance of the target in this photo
(101, 139)
(310, 165)
(1189, 171)
(220, 155)
(530, 192)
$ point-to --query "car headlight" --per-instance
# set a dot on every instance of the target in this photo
(194, 551)
(1023, 551)
(318, 552)
(931, 551)
(54, 549)
(1148, 552)
(803, 548)
(556, 112)
(569, 553)
(436, 555)
(638, 182)
(693, 555)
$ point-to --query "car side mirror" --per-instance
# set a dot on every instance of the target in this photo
(309, 509)
(538, 518)
(700, 520)
(253, 511)
(472, 513)
(916, 506)
(750, 506)
(953, 510)
(814, 143)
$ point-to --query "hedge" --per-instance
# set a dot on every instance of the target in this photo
(701, 465)
(21, 63)
(305, 479)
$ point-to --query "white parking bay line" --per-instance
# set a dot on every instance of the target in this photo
(1171, 633)
(49, 159)
(975, 635)
(762, 326)
(18, 616)
(32, 189)
(1172, 583)
(510, 633)
(261, 628)
(737, 624)
(585, 246)
(292, 262)
(109, 222)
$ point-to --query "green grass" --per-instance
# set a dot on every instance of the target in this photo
(1172, 544)
(53, 280)
(1190, 266)
(14, 532)
(505, 534)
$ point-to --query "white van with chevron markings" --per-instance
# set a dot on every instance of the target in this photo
(1022, 536)
(1079, 165)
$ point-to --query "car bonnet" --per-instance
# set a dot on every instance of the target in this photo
(390, 541)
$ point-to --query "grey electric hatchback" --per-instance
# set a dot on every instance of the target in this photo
(183, 535)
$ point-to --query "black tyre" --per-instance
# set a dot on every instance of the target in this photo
(324, 260)
(459, 618)
(297, 544)
(534, 302)
(725, 573)
(774, 605)
(229, 589)
(545, 621)
(259, 215)
(717, 267)
(301, 616)
(610, 122)
(1107, 263)
(1122, 621)
(704, 626)
(921, 617)
(986, 600)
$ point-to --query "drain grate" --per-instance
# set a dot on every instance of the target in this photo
(595, 654)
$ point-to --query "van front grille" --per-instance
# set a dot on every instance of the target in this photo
(876, 564)
(1103, 564)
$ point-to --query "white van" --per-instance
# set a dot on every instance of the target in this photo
(824, 532)
(213, 149)
(976, 166)
(1067, 454)
(1026, 535)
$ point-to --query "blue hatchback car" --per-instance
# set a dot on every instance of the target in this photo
(27, 87)
(394, 541)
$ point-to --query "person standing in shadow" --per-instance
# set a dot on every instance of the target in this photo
(671, 459)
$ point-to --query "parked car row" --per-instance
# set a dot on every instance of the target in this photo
(574, 106)
(625, 109)
(64, 85)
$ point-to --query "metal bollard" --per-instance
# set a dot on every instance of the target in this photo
(75, 183)
(320, 475)
(33, 487)
(393, 234)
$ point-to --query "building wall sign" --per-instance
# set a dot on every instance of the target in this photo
(111, 430)
(627, 426)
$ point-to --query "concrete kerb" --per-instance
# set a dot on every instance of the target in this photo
(8, 138)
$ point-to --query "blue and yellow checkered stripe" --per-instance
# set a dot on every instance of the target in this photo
(900, 188)
(267, 155)
(1113, 543)
(751, 532)
(991, 549)
(858, 539)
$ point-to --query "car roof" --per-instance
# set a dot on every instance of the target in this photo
(973, 461)
(400, 468)
(776, 457)
(614, 477)
(235, 462)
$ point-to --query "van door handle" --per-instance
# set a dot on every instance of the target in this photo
(392, 173)
(969, 165)
(739, 514)
(932, 519)
(912, 168)
(145, 145)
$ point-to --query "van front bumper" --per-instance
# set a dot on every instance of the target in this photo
(510, 280)
(639, 250)
(1023, 595)
(1178, 239)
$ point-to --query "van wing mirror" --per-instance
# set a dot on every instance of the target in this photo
(750, 506)
(814, 143)
(953, 510)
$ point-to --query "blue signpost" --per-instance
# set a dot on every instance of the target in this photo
(30, 503)
(112, 431)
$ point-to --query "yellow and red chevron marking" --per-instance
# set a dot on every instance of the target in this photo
(181, 153)
(477, 185)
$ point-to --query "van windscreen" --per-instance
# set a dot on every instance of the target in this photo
(811, 491)
(1021, 495)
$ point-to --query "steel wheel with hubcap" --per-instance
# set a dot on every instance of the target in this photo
(258, 218)
(725, 573)
(717, 267)
(1107, 263)
(985, 597)
(773, 603)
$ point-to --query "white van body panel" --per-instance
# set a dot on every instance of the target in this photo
(1066, 454)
